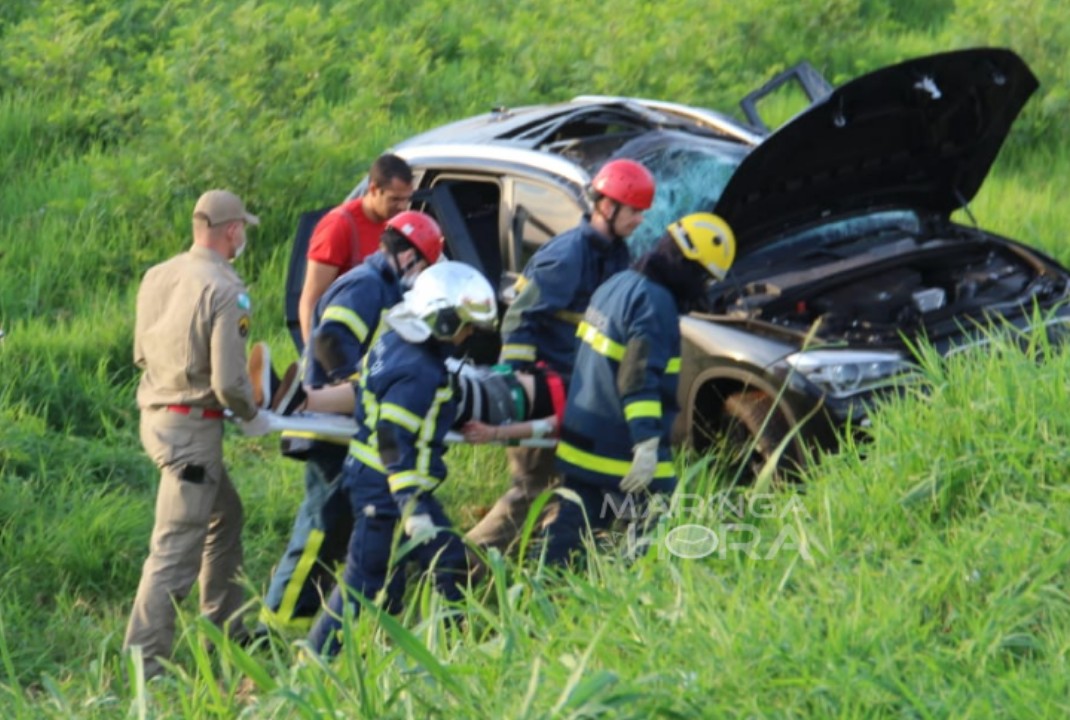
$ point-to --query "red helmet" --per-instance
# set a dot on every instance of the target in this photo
(627, 182)
(421, 231)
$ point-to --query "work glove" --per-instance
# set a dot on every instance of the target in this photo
(644, 463)
(417, 521)
(420, 527)
(260, 424)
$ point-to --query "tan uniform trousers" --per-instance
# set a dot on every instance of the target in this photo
(532, 470)
(197, 533)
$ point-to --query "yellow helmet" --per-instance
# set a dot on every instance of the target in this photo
(706, 239)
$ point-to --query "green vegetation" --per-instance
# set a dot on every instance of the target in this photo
(936, 583)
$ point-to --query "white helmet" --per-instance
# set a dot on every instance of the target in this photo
(445, 297)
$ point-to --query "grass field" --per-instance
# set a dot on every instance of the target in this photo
(921, 572)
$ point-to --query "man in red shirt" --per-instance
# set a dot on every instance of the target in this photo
(351, 231)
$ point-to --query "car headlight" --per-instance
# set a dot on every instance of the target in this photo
(843, 373)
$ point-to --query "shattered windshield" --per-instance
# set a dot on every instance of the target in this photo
(690, 174)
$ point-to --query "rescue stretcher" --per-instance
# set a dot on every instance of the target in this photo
(343, 427)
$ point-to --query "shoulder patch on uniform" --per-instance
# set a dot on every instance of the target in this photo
(243, 325)
(244, 303)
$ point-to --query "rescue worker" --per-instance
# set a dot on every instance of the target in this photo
(540, 326)
(350, 232)
(622, 399)
(347, 322)
(404, 408)
(193, 316)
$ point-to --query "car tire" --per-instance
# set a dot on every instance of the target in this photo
(752, 438)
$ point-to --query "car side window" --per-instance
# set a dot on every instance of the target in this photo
(540, 211)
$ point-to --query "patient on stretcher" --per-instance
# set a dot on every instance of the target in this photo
(498, 404)
(494, 404)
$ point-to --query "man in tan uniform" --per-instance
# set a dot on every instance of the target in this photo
(193, 316)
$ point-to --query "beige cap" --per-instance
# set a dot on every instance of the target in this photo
(222, 206)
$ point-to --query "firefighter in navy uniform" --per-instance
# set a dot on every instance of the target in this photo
(347, 320)
(622, 398)
(540, 326)
(405, 406)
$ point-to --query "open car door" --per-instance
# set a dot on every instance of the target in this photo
(295, 272)
(440, 202)
(437, 202)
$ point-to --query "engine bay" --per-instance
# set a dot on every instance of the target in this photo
(930, 290)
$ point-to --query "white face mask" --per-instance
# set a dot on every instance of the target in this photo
(241, 248)
(409, 278)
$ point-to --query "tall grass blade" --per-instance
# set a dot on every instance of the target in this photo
(412, 647)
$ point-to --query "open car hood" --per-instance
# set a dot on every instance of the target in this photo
(921, 134)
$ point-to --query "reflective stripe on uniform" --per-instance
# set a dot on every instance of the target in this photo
(518, 353)
(427, 433)
(319, 437)
(400, 416)
(424, 429)
(276, 620)
(380, 328)
(673, 366)
(572, 318)
(642, 408)
(605, 465)
(367, 455)
(601, 344)
(284, 616)
(411, 479)
(370, 403)
(347, 317)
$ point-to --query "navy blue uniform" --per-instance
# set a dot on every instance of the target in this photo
(540, 326)
(405, 406)
(554, 290)
(350, 314)
(623, 392)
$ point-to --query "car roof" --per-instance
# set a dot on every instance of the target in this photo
(515, 160)
(551, 126)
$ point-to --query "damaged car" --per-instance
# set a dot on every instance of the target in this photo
(848, 251)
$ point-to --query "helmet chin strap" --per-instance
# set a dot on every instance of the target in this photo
(611, 220)
(403, 270)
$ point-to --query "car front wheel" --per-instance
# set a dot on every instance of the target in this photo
(754, 429)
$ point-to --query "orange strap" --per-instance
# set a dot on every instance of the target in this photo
(557, 391)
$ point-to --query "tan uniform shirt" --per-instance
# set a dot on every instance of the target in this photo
(193, 316)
